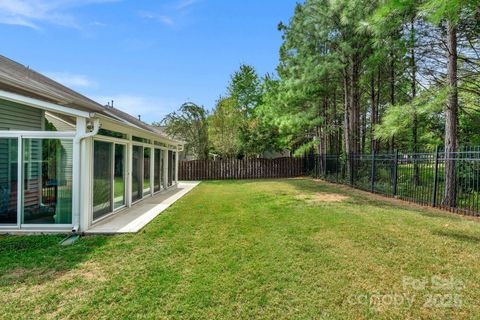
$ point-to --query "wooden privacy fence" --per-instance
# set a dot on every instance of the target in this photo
(241, 169)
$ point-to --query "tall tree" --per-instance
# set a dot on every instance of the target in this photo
(189, 124)
(224, 128)
(452, 14)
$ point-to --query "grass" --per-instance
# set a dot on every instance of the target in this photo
(278, 249)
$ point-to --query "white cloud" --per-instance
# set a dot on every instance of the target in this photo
(183, 4)
(33, 13)
(149, 108)
(164, 19)
(72, 80)
(171, 13)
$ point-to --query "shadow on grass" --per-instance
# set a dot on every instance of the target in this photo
(362, 197)
(459, 236)
(37, 259)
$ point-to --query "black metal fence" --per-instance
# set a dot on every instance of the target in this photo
(415, 177)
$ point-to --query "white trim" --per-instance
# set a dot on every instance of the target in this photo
(114, 143)
(129, 165)
(126, 127)
(39, 104)
(38, 134)
(46, 226)
(81, 134)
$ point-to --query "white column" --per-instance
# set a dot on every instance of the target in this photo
(76, 176)
(86, 183)
(20, 181)
(129, 164)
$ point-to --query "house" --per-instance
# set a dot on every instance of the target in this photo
(67, 162)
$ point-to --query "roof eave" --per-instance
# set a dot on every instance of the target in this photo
(137, 128)
(48, 106)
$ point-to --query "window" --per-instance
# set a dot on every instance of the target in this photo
(170, 168)
(158, 172)
(119, 176)
(143, 140)
(8, 180)
(113, 134)
(137, 173)
(102, 179)
(146, 171)
(47, 192)
(108, 178)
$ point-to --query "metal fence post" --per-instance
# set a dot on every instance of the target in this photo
(435, 179)
(373, 171)
(395, 173)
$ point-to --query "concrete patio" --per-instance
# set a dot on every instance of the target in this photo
(134, 219)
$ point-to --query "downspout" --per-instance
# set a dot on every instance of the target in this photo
(76, 142)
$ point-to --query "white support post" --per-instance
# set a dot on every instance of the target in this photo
(20, 181)
(81, 130)
(129, 172)
(86, 194)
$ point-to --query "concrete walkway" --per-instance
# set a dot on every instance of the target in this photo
(133, 219)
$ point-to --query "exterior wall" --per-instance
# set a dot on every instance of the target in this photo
(21, 121)
(58, 123)
(170, 170)
(15, 116)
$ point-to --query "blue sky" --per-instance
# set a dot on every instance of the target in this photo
(148, 56)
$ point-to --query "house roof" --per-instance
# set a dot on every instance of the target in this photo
(20, 79)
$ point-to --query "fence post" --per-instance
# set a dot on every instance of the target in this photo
(395, 173)
(373, 171)
(435, 180)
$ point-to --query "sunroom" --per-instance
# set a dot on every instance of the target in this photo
(68, 163)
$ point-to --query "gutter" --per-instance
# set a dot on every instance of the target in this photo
(76, 142)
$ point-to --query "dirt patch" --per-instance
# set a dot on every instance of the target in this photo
(322, 197)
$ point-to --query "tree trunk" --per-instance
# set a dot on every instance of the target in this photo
(373, 101)
(346, 120)
(355, 105)
(413, 66)
(391, 144)
(449, 197)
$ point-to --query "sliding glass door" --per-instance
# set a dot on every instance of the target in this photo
(47, 181)
(170, 168)
(157, 171)
(8, 181)
(109, 178)
(146, 172)
(137, 173)
(102, 179)
(119, 176)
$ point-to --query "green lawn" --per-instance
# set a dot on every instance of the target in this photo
(280, 249)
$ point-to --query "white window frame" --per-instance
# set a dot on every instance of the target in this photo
(114, 142)
(20, 136)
